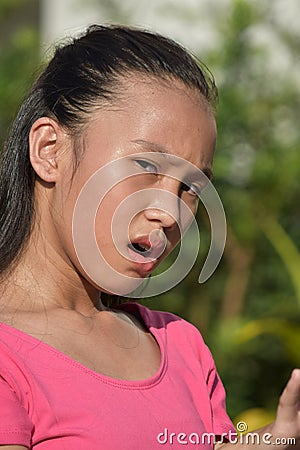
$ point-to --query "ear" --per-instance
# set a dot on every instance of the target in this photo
(45, 143)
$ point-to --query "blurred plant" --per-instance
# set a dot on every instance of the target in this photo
(286, 249)
(19, 56)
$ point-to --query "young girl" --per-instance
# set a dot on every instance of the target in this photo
(76, 374)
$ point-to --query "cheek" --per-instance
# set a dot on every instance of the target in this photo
(192, 203)
(174, 237)
(104, 217)
(188, 210)
(119, 207)
(113, 218)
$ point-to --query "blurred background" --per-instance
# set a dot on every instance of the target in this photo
(249, 310)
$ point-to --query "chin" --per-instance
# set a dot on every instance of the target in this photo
(119, 285)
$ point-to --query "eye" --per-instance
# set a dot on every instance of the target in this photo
(147, 166)
(192, 189)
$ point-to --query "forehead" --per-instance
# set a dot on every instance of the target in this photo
(141, 88)
(151, 114)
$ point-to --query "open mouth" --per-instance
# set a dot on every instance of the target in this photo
(140, 248)
(141, 253)
(148, 248)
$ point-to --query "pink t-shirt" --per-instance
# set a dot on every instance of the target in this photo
(50, 401)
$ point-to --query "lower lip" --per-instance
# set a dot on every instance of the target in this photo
(145, 265)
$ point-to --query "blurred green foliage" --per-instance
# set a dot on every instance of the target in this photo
(19, 56)
(249, 311)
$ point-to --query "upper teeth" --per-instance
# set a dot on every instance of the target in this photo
(141, 247)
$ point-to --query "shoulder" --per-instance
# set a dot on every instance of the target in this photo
(177, 330)
(13, 347)
(157, 318)
(169, 320)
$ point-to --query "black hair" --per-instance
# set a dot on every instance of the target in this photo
(82, 73)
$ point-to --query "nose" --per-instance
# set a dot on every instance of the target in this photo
(164, 208)
(166, 219)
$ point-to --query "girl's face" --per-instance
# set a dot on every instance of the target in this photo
(139, 157)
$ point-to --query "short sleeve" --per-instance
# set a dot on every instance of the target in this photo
(221, 422)
(216, 418)
(15, 424)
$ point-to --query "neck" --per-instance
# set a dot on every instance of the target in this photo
(43, 279)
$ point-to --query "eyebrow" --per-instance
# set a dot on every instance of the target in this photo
(154, 147)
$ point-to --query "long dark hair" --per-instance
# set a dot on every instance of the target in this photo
(81, 75)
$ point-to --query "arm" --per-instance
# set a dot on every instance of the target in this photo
(286, 424)
(12, 447)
